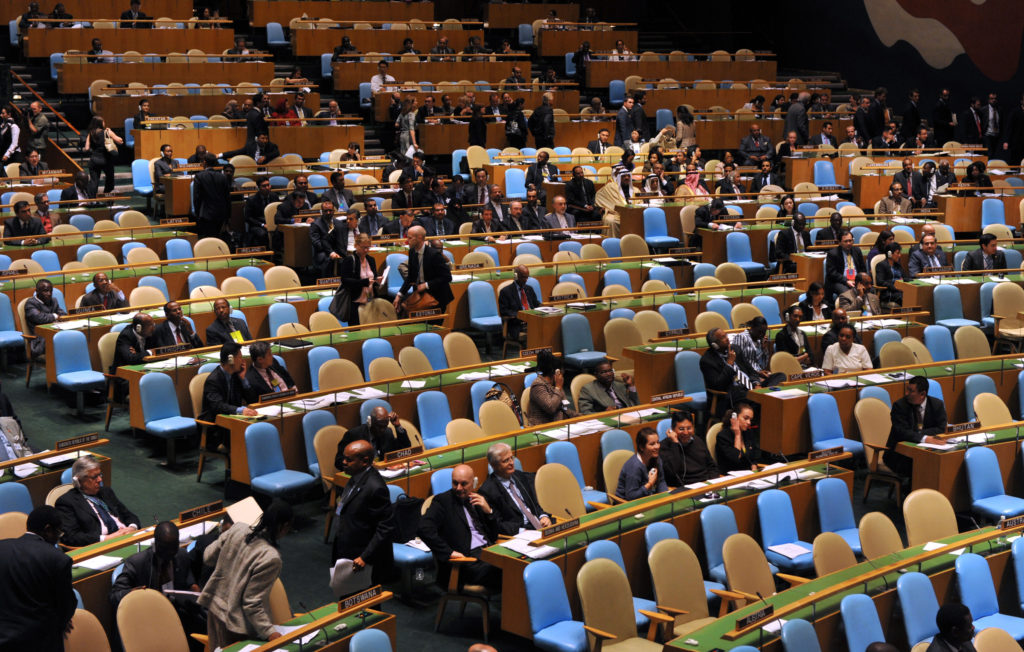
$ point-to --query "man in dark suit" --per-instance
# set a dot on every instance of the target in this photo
(755, 148)
(911, 116)
(488, 226)
(41, 308)
(37, 603)
(624, 123)
(685, 458)
(260, 149)
(399, 227)
(438, 223)
(326, 241)
(405, 197)
(174, 330)
(365, 521)
(972, 122)
(942, 118)
(32, 166)
(478, 192)
(533, 209)
(519, 220)
(916, 418)
(729, 183)
(542, 122)
(540, 172)
(766, 177)
(721, 373)
(338, 193)
(912, 182)
(134, 18)
(581, 197)
(224, 327)
(796, 118)
(559, 219)
(833, 232)
(265, 374)
(211, 195)
(104, 294)
(372, 221)
(130, 347)
(254, 212)
(82, 188)
(790, 241)
(842, 264)
(225, 388)
(24, 226)
(495, 205)
(255, 118)
(91, 512)
(511, 493)
(886, 143)
(877, 111)
(606, 392)
(514, 297)
(382, 429)
(601, 145)
(824, 137)
(944, 176)
(928, 255)
(861, 297)
(986, 256)
(460, 523)
(428, 271)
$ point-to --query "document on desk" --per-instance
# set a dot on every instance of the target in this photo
(71, 325)
(550, 310)
(25, 470)
(100, 563)
(346, 581)
(837, 383)
(789, 550)
(287, 629)
(366, 393)
(473, 375)
(792, 392)
(774, 626)
(974, 438)
(877, 379)
(276, 410)
(938, 447)
(413, 384)
(935, 545)
(521, 544)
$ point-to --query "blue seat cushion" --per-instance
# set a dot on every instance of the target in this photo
(661, 240)
(717, 573)
(800, 563)
(996, 506)
(78, 381)
(595, 496)
(10, 338)
(698, 400)
(1010, 624)
(708, 585)
(314, 469)
(953, 324)
(852, 537)
(282, 481)
(849, 445)
(566, 636)
(750, 266)
(486, 323)
(435, 442)
(407, 555)
(584, 358)
(646, 605)
(172, 427)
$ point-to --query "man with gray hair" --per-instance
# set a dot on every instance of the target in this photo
(511, 493)
(91, 512)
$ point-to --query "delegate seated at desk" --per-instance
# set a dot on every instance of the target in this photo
(90, 512)
(548, 399)
(642, 474)
(928, 256)
(846, 356)
(721, 372)
(32, 166)
(605, 392)
(174, 330)
(916, 418)
(259, 149)
(511, 493)
(104, 294)
(736, 447)
(82, 188)
(861, 296)
(224, 327)
(842, 264)
(41, 308)
(25, 226)
(986, 256)
(514, 297)
(265, 374)
(130, 346)
(685, 458)
(790, 339)
(382, 429)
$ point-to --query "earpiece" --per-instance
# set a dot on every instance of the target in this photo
(369, 420)
(138, 329)
(75, 483)
(231, 359)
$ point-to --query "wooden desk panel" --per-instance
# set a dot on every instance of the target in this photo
(178, 9)
(702, 99)
(115, 109)
(76, 77)
(802, 168)
(262, 12)
(602, 72)
(567, 99)
(964, 213)
(40, 43)
(556, 42)
(511, 15)
(727, 134)
(447, 138)
(349, 74)
(945, 471)
(314, 42)
(308, 141)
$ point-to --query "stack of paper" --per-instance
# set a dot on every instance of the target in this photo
(938, 447)
(186, 534)
(837, 383)
(973, 438)
(790, 550)
(100, 563)
(418, 544)
(935, 545)
(287, 629)
(521, 544)
(413, 384)
(366, 393)
(73, 324)
(473, 375)
(276, 410)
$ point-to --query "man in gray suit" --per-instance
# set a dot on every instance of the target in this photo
(607, 393)
(796, 119)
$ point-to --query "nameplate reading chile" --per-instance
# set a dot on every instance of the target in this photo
(822, 454)
(761, 614)
(526, 353)
(359, 598)
(963, 427)
(201, 511)
(64, 444)
(275, 395)
(559, 527)
(1011, 523)
(807, 374)
(330, 280)
(402, 454)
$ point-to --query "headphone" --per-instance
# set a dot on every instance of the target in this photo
(231, 359)
(75, 482)
(138, 329)
(369, 420)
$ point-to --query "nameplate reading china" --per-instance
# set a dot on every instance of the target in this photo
(563, 297)
(402, 454)
(807, 374)
(174, 220)
(173, 348)
(250, 250)
(470, 266)
(330, 280)
(673, 332)
(424, 313)
(963, 427)
(81, 309)
(14, 272)
(275, 395)
(526, 353)
(359, 598)
(201, 511)
(64, 444)
(667, 396)
(783, 277)
(761, 614)
(1010, 523)
(560, 527)
(814, 456)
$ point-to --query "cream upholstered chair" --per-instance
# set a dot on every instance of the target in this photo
(385, 369)
(291, 329)
(747, 570)
(1007, 303)
(832, 553)
(460, 431)
(13, 525)
(577, 384)
(460, 350)
(928, 516)
(970, 343)
(711, 440)
(377, 311)
(140, 256)
(322, 320)
(99, 258)
(204, 292)
(279, 277)
(920, 351)
(608, 615)
(339, 372)
(87, 634)
(133, 219)
(147, 621)
(678, 588)
(633, 245)
(558, 492)
(743, 313)
(896, 354)
(729, 273)
(649, 323)
(563, 288)
(611, 469)
(414, 361)
(496, 418)
(993, 639)
(709, 319)
(146, 295)
(878, 536)
(991, 410)
(620, 333)
(874, 423)
(705, 281)
(237, 285)
(325, 445)
(53, 494)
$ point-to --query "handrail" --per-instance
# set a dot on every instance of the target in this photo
(321, 623)
(67, 235)
(903, 316)
(35, 457)
(725, 287)
(97, 201)
(687, 494)
(612, 53)
(903, 368)
(39, 98)
(263, 88)
(555, 24)
(969, 272)
(56, 174)
(240, 57)
(372, 59)
(127, 266)
(337, 21)
(216, 22)
(1002, 426)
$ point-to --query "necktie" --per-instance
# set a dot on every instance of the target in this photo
(474, 524)
(480, 200)
(602, 148)
(514, 491)
(104, 512)
(105, 298)
(934, 261)
(522, 298)
(799, 242)
(177, 336)
(408, 199)
(849, 261)
(612, 395)
(988, 261)
(743, 379)
(977, 122)
(919, 418)
(420, 275)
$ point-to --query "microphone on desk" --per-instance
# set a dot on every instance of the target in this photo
(309, 612)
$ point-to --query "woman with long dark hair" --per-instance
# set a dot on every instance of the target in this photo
(549, 398)
(98, 141)
(686, 134)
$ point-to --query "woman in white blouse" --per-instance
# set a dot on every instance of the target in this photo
(846, 355)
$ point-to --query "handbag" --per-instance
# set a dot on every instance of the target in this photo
(420, 301)
(108, 142)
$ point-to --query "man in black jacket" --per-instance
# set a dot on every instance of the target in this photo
(461, 523)
(25, 226)
(766, 177)
(540, 172)
(911, 116)
(511, 493)
(542, 123)
(211, 195)
(428, 271)
(382, 429)
(174, 330)
(260, 149)
(225, 388)
(134, 17)
(338, 193)
(37, 603)
(581, 197)
(790, 241)
(912, 182)
(942, 119)
(255, 118)
(721, 372)
(104, 294)
(265, 375)
(519, 220)
(91, 512)
(842, 264)
(478, 192)
(254, 212)
(438, 223)
(986, 256)
(224, 327)
(514, 297)
(916, 418)
(83, 188)
(41, 308)
(600, 145)
(372, 221)
(400, 226)
(704, 217)
(685, 459)
(365, 521)
(130, 347)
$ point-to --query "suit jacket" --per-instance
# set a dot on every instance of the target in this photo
(255, 124)
(447, 227)
(508, 514)
(128, 349)
(578, 195)
(271, 150)
(969, 132)
(827, 235)
(71, 194)
(114, 300)
(479, 227)
(535, 175)
(325, 242)
(903, 429)
(128, 21)
(862, 123)
(751, 146)
(163, 336)
(222, 394)
(397, 439)
(911, 121)
(399, 200)
(26, 170)
(393, 227)
(551, 222)
(784, 342)
(912, 187)
(510, 303)
(728, 187)
(80, 522)
(682, 465)
(526, 222)
(623, 126)
(835, 265)
(257, 386)
(254, 207)
(595, 146)
(796, 120)
(542, 122)
(217, 333)
(471, 194)
(849, 300)
(365, 522)
(444, 527)
(594, 398)
(211, 192)
(805, 306)
(785, 246)
(13, 228)
(139, 570)
(919, 261)
(436, 274)
(819, 139)
(371, 229)
(37, 602)
(345, 197)
(888, 205)
(759, 181)
(976, 260)
(717, 374)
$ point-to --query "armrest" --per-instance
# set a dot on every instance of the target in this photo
(200, 422)
(615, 500)
(657, 620)
(26, 336)
(461, 560)
(716, 392)
(731, 595)
(875, 446)
(202, 638)
(795, 580)
(672, 610)
(453, 578)
(600, 635)
(599, 505)
(504, 537)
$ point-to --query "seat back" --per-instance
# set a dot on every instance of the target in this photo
(87, 634)
(994, 639)
(798, 635)
(263, 446)
(433, 347)
(576, 335)
(611, 468)
(546, 597)
(878, 536)
(823, 412)
(370, 640)
(717, 523)
(775, 513)
(861, 621)
(71, 352)
(153, 392)
(746, 567)
(460, 431)
(984, 479)
(15, 497)
(832, 554)
(918, 605)
(279, 278)
(928, 516)
(460, 351)
(146, 620)
(676, 574)
(737, 247)
(497, 417)
(325, 448)
(606, 599)
(558, 492)
(835, 510)
(939, 343)
(974, 581)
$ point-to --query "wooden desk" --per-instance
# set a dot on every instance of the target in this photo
(916, 293)
(40, 42)
(67, 250)
(727, 134)
(601, 72)
(348, 74)
(75, 77)
(447, 138)
(964, 213)
(381, 620)
(868, 190)
(511, 15)
(801, 168)
(262, 12)
(178, 9)
(308, 141)
(703, 99)
(686, 519)
(556, 42)
(314, 42)
(563, 99)
(116, 108)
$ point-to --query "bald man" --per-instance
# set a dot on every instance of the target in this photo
(364, 522)
(428, 271)
(514, 297)
(460, 523)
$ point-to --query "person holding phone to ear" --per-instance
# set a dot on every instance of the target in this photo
(642, 474)
(382, 429)
(736, 447)
(225, 390)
